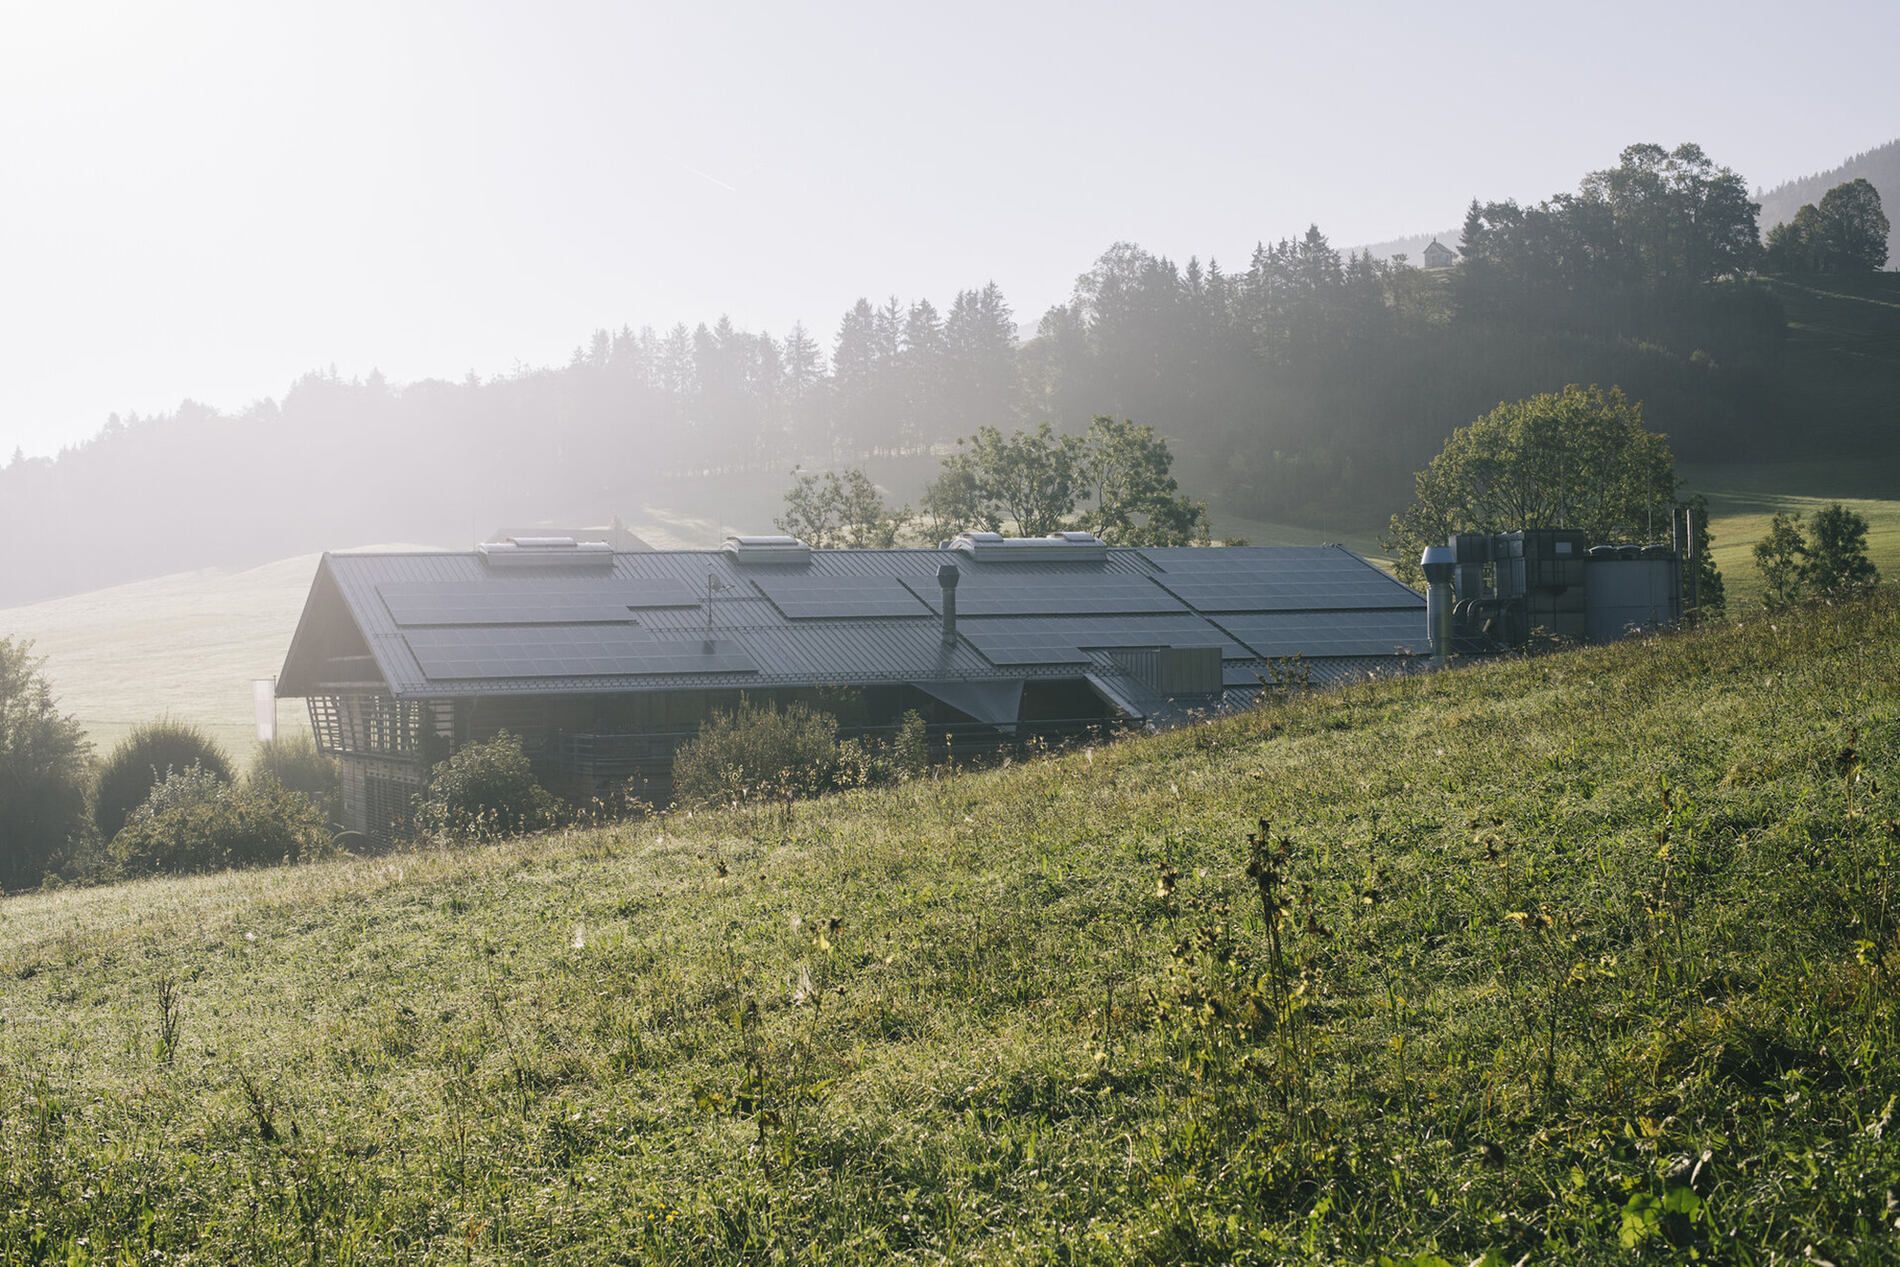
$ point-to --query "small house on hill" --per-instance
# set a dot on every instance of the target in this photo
(1438, 255)
(605, 661)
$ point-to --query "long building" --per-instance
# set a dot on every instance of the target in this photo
(604, 661)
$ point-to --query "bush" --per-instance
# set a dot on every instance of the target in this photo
(758, 752)
(485, 791)
(141, 760)
(45, 760)
(194, 820)
(902, 757)
(297, 763)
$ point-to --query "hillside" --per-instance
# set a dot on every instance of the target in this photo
(1880, 166)
(1583, 958)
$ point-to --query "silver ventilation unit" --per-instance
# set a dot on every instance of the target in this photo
(547, 552)
(772, 551)
(1057, 547)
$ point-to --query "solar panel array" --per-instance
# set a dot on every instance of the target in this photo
(528, 602)
(1068, 595)
(1060, 640)
(476, 652)
(1332, 582)
(1328, 633)
(839, 597)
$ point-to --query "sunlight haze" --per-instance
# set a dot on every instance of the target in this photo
(207, 200)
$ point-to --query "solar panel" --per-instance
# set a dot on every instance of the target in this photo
(1286, 590)
(837, 597)
(520, 601)
(1329, 633)
(486, 652)
(1061, 595)
(1067, 640)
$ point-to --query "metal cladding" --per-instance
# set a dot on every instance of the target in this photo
(450, 625)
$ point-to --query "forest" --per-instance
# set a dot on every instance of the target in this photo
(1303, 385)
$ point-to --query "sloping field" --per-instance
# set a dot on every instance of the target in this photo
(185, 646)
(1742, 501)
(1588, 958)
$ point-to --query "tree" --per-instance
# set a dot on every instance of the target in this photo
(1578, 459)
(831, 510)
(45, 760)
(1837, 563)
(1025, 479)
(194, 821)
(1846, 233)
(1853, 228)
(1711, 593)
(1124, 468)
(1781, 557)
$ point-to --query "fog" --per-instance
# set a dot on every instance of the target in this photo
(206, 201)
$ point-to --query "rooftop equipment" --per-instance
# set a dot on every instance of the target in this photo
(1438, 564)
(771, 551)
(547, 552)
(947, 577)
(1057, 547)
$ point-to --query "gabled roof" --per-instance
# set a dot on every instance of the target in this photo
(434, 625)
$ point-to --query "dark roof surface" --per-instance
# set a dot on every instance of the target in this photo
(452, 624)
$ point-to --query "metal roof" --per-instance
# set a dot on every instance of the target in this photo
(445, 624)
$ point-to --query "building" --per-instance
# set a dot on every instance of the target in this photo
(605, 661)
(1438, 255)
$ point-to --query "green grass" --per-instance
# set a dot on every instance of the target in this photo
(1571, 952)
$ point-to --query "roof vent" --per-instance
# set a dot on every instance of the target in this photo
(767, 550)
(547, 552)
(1057, 547)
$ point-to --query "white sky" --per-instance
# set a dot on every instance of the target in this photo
(205, 200)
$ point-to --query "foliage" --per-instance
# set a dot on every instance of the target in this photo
(1115, 481)
(1553, 985)
(757, 752)
(1781, 558)
(1837, 562)
(295, 762)
(1123, 469)
(45, 765)
(485, 791)
(1826, 559)
(840, 510)
(872, 761)
(1846, 233)
(1711, 592)
(195, 820)
(1579, 459)
(141, 760)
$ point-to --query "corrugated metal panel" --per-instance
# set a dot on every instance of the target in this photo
(867, 650)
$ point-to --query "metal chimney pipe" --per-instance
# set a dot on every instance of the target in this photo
(947, 577)
(1438, 564)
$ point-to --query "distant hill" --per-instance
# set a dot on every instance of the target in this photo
(1881, 167)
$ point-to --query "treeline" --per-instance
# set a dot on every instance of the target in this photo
(1305, 386)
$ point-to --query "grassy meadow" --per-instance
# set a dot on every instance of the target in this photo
(1743, 500)
(1584, 958)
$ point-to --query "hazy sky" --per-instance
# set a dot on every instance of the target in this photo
(205, 200)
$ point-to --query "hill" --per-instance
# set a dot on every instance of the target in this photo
(1880, 166)
(1585, 958)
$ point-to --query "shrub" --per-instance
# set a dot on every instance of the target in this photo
(757, 752)
(44, 763)
(872, 761)
(485, 791)
(297, 763)
(193, 820)
(141, 760)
